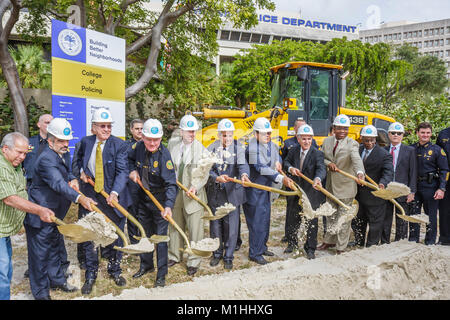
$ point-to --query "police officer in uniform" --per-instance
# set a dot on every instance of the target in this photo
(150, 161)
(432, 179)
(136, 126)
(443, 140)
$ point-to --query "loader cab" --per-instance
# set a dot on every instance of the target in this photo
(307, 90)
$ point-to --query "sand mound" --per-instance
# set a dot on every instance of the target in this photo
(400, 270)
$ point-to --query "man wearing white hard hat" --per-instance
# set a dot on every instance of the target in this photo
(404, 161)
(264, 160)
(50, 188)
(150, 161)
(219, 191)
(340, 152)
(186, 153)
(104, 158)
(378, 166)
(307, 160)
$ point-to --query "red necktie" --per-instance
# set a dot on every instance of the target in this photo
(393, 155)
(334, 149)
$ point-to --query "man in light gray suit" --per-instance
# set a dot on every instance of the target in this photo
(186, 152)
(341, 152)
(219, 191)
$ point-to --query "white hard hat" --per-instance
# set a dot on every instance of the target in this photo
(60, 128)
(305, 130)
(225, 125)
(101, 115)
(396, 127)
(188, 122)
(262, 125)
(342, 120)
(369, 131)
(152, 129)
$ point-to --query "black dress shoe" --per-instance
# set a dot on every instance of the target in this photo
(227, 264)
(191, 271)
(268, 253)
(141, 272)
(171, 263)
(119, 280)
(214, 261)
(310, 255)
(64, 287)
(290, 249)
(26, 274)
(284, 239)
(238, 246)
(160, 282)
(87, 286)
(44, 298)
(260, 260)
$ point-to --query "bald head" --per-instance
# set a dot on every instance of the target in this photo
(42, 124)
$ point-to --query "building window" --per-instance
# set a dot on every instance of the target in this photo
(409, 34)
(277, 38)
(441, 42)
(390, 37)
(448, 53)
(420, 45)
(415, 34)
(425, 44)
(385, 38)
(431, 32)
(224, 35)
(436, 43)
(448, 29)
(395, 36)
(405, 35)
(420, 33)
(235, 36)
(442, 30)
(441, 54)
(256, 38)
(245, 37)
(425, 33)
(265, 38)
(399, 36)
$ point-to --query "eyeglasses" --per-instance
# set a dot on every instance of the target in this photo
(396, 133)
(103, 126)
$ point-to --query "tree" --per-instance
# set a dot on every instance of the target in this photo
(191, 24)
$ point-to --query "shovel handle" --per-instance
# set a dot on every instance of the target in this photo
(58, 221)
(203, 204)
(363, 182)
(168, 217)
(284, 175)
(121, 209)
(118, 231)
(250, 184)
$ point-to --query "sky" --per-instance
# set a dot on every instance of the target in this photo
(367, 14)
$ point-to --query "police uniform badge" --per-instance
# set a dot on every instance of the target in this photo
(430, 152)
(134, 146)
(443, 152)
(155, 164)
(169, 164)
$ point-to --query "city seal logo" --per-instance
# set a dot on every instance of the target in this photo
(169, 165)
(155, 164)
(70, 42)
(227, 124)
(190, 124)
(369, 131)
(306, 129)
(66, 131)
(342, 120)
(154, 130)
(104, 115)
(398, 127)
(267, 125)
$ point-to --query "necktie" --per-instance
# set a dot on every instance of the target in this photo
(393, 155)
(302, 158)
(366, 154)
(42, 144)
(181, 167)
(335, 146)
(145, 179)
(98, 168)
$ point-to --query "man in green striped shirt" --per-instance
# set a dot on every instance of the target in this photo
(13, 203)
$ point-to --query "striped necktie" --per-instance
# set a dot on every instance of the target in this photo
(98, 168)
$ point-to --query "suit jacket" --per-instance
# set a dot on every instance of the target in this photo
(378, 166)
(313, 166)
(405, 170)
(261, 160)
(50, 187)
(115, 167)
(234, 166)
(347, 159)
(191, 161)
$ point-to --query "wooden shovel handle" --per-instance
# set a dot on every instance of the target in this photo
(365, 183)
(250, 184)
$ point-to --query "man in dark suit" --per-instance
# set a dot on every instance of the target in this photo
(37, 144)
(219, 191)
(103, 155)
(309, 161)
(290, 204)
(263, 158)
(405, 171)
(50, 188)
(377, 165)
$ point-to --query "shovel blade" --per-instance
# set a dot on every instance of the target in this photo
(77, 233)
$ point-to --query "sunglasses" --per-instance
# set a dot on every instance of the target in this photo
(103, 126)
(396, 133)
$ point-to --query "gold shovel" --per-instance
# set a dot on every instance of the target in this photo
(209, 215)
(127, 248)
(375, 187)
(154, 238)
(189, 250)
(403, 215)
(74, 232)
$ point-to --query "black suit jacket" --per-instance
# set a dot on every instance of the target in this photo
(378, 166)
(313, 166)
(405, 170)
